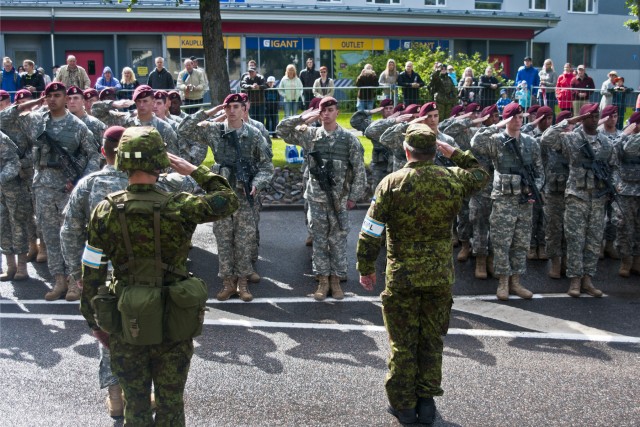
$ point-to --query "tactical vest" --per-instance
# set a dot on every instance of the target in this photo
(225, 155)
(603, 154)
(581, 173)
(557, 174)
(338, 151)
(508, 163)
(630, 168)
(45, 156)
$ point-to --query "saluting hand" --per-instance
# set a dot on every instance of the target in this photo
(310, 115)
(503, 123)
(180, 165)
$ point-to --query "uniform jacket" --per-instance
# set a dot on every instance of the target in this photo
(444, 91)
(627, 177)
(76, 77)
(9, 162)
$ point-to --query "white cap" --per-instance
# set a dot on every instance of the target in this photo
(271, 79)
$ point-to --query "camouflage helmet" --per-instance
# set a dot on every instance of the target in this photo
(141, 148)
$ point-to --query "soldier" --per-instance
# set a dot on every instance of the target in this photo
(416, 207)
(627, 208)
(90, 96)
(442, 89)
(584, 195)
(154, 352)
(337, 180)
(510, 222)
(456, 112)
(75, 104)
(241, 156)
(607, 125)
(175, 103)
(390, 133)
(62, 154)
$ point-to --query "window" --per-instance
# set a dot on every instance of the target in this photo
(330, 1)
(489, 4)
(581, 6)
(538, 4)
(540, 52)
(435, 2)
(579, 54)
(384, 1)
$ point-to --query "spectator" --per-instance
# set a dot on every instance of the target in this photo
(160, 78)
(45, 76)
(54, 71)
(73, 75)
(606, 90)
(579, 83)
(468, 72)
(21, 70)
(503, 101)
(324, 85)
(308, 76)
(272, 101)
(564, 94)
(191, 84)
(366, 97)
(290, 89)
(452, 73)
(548, 80)
(410, 82)
(253, 84)
(250, 63)
(129, 83)
(523, 96)
(620, 100)
(388, 79)
(638, 101)
(466, 94)
(529, 74)
(9, 79)
(107, 80)
(488, 87)
(196, 66)
(32, 80)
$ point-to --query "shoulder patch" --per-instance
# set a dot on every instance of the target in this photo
(372, 227)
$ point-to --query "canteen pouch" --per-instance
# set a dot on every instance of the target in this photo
(185, 307)
(141, 308)
(557, 183)
(105, 307)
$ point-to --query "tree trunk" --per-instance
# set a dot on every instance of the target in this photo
(215, 55)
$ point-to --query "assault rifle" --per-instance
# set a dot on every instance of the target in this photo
(527, 174)
(243, 168)
(600, 171)
(323, 173)
(71, 166)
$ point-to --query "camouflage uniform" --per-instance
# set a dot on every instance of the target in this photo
(609, 226)
(329, 226)
(538, 237)
(480, 206)
(417, 206)
(444, 92)
(236, 234)
(13, 238)
(510, 220)
(584, 209)
(381, 159)
(196, 152)
(627, 210)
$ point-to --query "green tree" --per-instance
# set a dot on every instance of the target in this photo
(634, 10)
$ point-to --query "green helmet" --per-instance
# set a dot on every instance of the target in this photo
(141, 148)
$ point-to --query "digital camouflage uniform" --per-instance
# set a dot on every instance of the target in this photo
(13, 238)
(609, 226)
(236, 234)
(381, 159)
(329, 224)
(166, 365)
(510, 220)
(417, 205)
(538, 237)
(480, 206)
(584, 207)
(627, 208)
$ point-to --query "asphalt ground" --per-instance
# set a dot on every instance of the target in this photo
(287, 360)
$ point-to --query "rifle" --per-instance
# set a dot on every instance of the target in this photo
(527, 173)
(600, 171)
(71, 167)
(323, 173)
(243, 168)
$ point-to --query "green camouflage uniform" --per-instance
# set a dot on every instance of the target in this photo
(584, 209)
(329, 224)
(627, 210)
(444, 93)
(165, 364)
(417, 206)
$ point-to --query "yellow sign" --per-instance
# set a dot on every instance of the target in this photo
(142, 71)
(351, 44)
(195, 42)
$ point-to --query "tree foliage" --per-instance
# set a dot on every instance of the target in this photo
(634, 10)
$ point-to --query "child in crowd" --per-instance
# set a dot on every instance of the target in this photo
(503, 101)
(523, 95)
(466, 93)
(272, 101)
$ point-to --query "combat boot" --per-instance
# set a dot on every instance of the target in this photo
(323, 288)
(10, 270)
(42, 252)
(503, 287)
(554, 271)
(254, 277)
(33, 250)
(426, 410)
(228, 289)
(21, 271)
(334, 284)
(73, 291)
(465, 251)
(542, 253)
(574, 287)
(481, 267)
(309, 241)
(490, 271)
(59, 288)
(625, 266)
(243, 290)
(532, 254)
(588, 287)
(610, 250)
(115, 404)
(515, 287)
(635, 267)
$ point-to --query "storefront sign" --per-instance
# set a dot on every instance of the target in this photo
(195, 42)
(408, 44)
(351, 44)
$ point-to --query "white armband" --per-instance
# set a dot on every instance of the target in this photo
(92, 257)
(372, 227)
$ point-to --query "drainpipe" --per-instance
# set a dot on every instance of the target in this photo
(53, 45)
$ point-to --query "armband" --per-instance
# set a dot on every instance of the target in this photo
(92, 257)
(372, 227)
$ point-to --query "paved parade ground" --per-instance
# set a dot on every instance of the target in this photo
(286, 360)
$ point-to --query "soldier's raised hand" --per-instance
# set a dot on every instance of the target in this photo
(180, 165)
(123, 103)
(503, 123)
(310, 114)
(404, 118)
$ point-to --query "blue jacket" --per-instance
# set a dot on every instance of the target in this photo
(529, 75)
(10, 81)
(103, 83)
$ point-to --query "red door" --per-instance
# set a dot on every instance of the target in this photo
(502, 62)
(92, 61)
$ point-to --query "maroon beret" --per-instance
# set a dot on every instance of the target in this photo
(589, 108)
(54, 87)
(245, 97)
(22, 94)
(160, 94)
(4, 94)
(142, 91)
(635, 118)
(327, 101)
(173, 94)
(315, 102)
(563, 115)
(456, 110)
(233, 97)
(427, 108)
(90, 93)
(74, 90)
(399, 108)
(607, 111)
(411, 109)
(511, 110)
(113, 133)
(533, 109)
(544, 111)
(487, 111)
(107, 93)
(472, 107)
(385, 102)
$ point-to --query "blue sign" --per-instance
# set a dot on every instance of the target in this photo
(277, 43)
(408, 44)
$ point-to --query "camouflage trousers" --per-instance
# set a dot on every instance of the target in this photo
(105, 375)
(609, 223)
(16, 215)
(416, 319)
(537, 226)
(381, 165)
(50, 203)
(510, 223)
(236, 239)
(329, 255)
(554, 233)
(479, 214)
(585, 222)
(444, 108)
(627, 219)
(165, 365)
(257, 207)
(464, 227)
